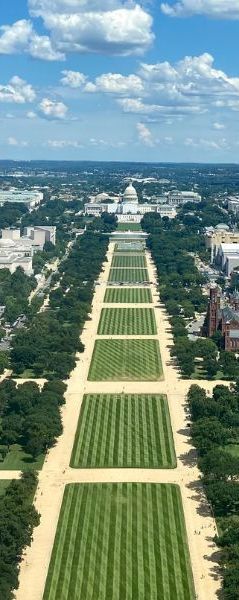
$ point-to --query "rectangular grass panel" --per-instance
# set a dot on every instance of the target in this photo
(129, 227)
(124, 431)
(126, 360)
(128, 275)
(128, 295)
(123, 541)
(128, 262)
(127, 321)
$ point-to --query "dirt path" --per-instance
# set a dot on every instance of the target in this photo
(56, 472)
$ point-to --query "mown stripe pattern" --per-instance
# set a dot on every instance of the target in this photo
(128, 275)
(129, 262)
(128, 295)
(127, 321)
(126, 360)
(124, 430)
(123, 541)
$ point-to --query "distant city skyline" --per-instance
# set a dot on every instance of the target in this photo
(130, 81)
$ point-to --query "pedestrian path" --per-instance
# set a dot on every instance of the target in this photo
(56, 472)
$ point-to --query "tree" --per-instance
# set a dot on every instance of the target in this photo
(207, 433)
(211, 366)
(219, 464)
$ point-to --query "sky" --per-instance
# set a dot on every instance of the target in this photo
(141, 80)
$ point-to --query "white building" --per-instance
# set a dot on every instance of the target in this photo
(33, 237)
(233, 204)
(129, 210)
(12, 256)
(177, 198)
(31, 198)
(228, 257)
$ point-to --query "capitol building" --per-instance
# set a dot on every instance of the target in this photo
(125, 207)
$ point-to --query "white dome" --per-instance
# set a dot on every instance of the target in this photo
(130, 194)
(6, 243)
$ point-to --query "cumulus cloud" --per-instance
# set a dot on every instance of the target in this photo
(22, 38)
(219, 9)
(31, 114)
(73, 79)
(17, 91)
(115, 83)
(12, 141)
(112, 26)
(218, 126)
(53, 109)
(207, 144)
(61, 144)
(190, 86)
(131, 105)
(145, 135)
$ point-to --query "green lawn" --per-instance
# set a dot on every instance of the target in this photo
(126, 360)
(123, 541)
(18, 460)
(127, 321)
(129, 227)
(131, 261)
(124, 430)
(128, 275)
(128, 295)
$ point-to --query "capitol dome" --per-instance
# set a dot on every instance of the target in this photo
(130, 195)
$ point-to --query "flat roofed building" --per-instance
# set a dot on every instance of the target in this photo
(34, 237)
(233, 204)
(228, 257)
(30, 198)
(178, 198)
(221, 234)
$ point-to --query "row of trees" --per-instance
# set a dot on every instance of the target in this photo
(215, 433)
(180, 284)
(18, 517)
(30, 416)
(49, 345)
(14, 292)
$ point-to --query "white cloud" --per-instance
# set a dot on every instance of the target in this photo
(112, 26)
(219, 9)
(61, 144)
(31, 114)
(17, 91)
(53, 109)
(12, 141)
(218, 126)
(15, 38)
(145, 135)
(137, 106)
(220, 144)
(40, 46)
(73, 79)
(190, 86)
(115, 83)
(21, 38)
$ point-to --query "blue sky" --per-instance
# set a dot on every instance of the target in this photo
(135, 80)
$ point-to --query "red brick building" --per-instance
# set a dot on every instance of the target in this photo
(224, 319)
